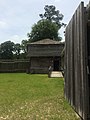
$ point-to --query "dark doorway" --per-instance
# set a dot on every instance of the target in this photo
(56, 65)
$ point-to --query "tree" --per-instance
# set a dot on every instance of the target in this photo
(0, 52)
(17, 49)
(48, 26)
(53, 15)
(42, 30)
(6, 50)
(24, 48)
(24, 45)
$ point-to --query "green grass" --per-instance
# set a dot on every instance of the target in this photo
(33, 97)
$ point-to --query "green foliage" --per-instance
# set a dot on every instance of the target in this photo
(24, 48)
(17, 49)
(48, 26)
(10, 50)
(33, 97)
(24, 45)
(6, 50)
(52, 15)
(42, 30)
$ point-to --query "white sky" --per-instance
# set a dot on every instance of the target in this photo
(18, 16)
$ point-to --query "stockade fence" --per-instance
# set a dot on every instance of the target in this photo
(14, 66)
(77, 61)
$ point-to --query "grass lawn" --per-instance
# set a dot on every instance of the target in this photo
(33, 97)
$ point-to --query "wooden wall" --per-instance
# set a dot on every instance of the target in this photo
(76, 82)
(42, 64)
(44, 50)
(14, 66)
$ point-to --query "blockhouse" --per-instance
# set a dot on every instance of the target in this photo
(44, 54)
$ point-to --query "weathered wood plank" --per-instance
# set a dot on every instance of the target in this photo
(76, 74)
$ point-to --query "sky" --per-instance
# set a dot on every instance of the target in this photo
(18, 16)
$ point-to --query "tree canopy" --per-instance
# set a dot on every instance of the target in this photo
(17, 49)
(52, 15)
(11, 50)
(6, 50)
(24, 45)
(48, 26)
(42, 30)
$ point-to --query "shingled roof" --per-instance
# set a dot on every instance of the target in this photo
(46, 41)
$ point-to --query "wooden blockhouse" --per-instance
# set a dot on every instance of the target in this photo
(44, 54)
